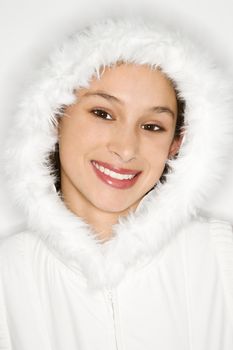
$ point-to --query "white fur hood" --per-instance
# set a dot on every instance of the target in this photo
(197, 172)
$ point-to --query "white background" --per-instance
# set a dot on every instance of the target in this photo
(29, 28)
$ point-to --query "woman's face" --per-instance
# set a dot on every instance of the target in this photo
(115, 140)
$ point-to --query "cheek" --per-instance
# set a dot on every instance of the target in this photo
(155, 155)
(68, 142)
(78, 137)
(156, 163)
(157, 150)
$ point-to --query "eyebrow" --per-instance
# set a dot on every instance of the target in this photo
(158, 109)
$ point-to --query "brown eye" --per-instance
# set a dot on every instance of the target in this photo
(151, 127)
(101, 114)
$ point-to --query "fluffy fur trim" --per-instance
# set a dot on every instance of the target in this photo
(197, 172)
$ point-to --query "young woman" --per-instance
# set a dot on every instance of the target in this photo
(115, 153)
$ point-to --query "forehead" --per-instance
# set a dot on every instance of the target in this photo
(130, 70)
(130, 78)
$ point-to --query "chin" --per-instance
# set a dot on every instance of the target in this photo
(112, 207)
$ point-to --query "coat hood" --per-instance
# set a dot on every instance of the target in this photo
(197, 172)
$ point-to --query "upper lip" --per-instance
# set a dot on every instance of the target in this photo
(116, 169)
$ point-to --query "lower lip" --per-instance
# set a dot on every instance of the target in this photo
(116, 183)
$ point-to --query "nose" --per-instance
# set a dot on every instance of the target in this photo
(124, 144)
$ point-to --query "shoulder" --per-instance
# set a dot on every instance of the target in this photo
(19, 255)
(209, 252)
(203, 230)
(16, 280)
(15, 242)
(222, 238)
(207, 245)
(16, 249)
(208, 236)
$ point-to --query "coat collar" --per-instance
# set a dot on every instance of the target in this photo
(136, 238)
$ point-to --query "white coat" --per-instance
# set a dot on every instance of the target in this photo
(165, 278)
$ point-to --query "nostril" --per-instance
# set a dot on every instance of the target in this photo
(123, 157)
(124, 150)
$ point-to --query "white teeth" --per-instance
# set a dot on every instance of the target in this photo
(112, 173)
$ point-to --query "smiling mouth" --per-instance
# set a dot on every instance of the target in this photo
(114, 176)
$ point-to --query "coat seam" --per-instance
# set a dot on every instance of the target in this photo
(222, 239)
(4, 324)
(29, 267)
(187, 291)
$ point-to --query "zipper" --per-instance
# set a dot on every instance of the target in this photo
(111, 298)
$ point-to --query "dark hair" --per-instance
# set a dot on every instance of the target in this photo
(178, 130)
(54, 159)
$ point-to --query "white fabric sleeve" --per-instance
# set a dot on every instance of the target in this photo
(222, 235)
(5, 343)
